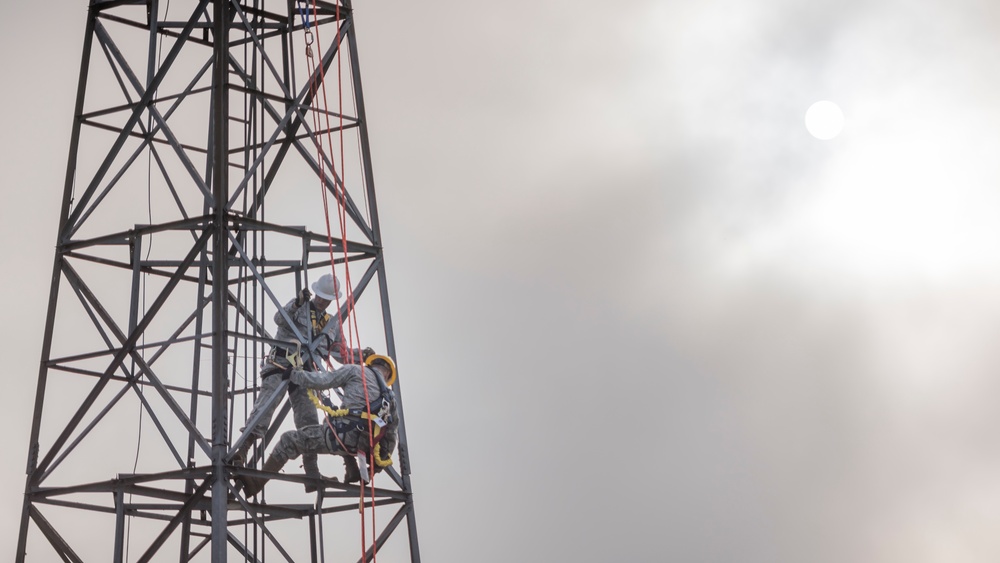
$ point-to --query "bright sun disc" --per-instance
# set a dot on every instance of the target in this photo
(824, 120)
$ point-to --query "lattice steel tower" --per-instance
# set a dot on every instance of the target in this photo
(209, 138)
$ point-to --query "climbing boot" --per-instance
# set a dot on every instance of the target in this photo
(351, 472)
(240, 457)
(253, 485)
(310, 464)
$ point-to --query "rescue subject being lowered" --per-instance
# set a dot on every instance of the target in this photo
(346, 430)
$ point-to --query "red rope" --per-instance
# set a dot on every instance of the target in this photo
(318, 86)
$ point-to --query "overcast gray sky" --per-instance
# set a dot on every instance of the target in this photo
(674, 326)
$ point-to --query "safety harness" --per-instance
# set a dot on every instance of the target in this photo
(294, 359)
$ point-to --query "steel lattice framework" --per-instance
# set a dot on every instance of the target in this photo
(199, 157)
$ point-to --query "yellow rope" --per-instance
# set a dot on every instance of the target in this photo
(319, 405)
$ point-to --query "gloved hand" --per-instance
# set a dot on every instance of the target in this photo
(302, 297)
(367, 353)
(382, 457)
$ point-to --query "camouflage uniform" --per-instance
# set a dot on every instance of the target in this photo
(352, 431)
(326, 342)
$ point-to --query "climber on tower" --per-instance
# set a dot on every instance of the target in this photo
(346, 430)
(323, 339)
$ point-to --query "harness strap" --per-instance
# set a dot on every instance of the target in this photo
(318, 323)
(278, 352)
(335, 435)
(273, 368)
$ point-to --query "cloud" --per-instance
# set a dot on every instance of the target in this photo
(640, 313)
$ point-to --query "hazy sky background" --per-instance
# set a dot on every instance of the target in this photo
(672, 325)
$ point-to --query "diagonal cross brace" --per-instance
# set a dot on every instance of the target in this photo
(304, 98)
(105, 39)
(198, 494)
(65, 552)
(335, 185)
(144, 102)
(127, 349)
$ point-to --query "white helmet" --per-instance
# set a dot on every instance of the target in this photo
(327, 287)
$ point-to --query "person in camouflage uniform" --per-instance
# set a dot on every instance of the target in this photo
(323, 336)
(346, 434)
